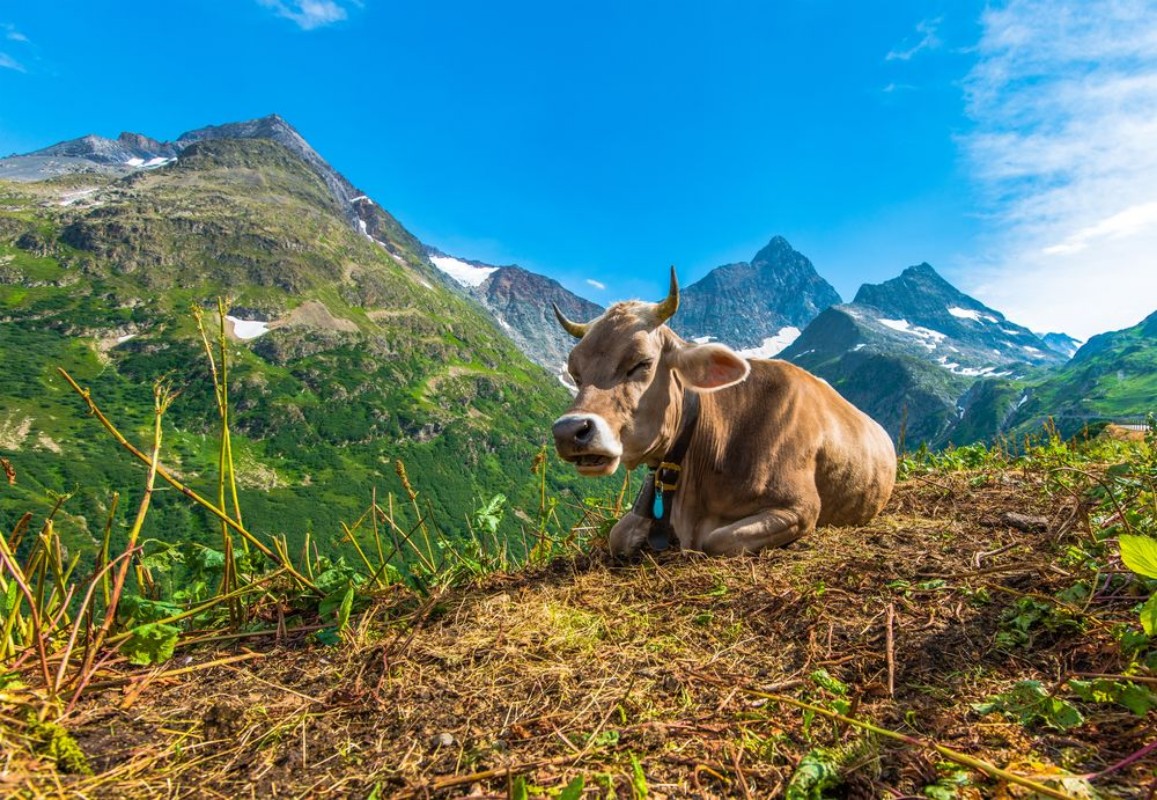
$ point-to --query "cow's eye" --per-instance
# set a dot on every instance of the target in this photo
(639, 368)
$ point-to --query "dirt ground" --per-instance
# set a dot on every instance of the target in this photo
(646, 678)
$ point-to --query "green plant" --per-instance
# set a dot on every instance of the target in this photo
(1030, 703)
(1139, 553)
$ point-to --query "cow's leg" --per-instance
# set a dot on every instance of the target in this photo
(775, 527)
(629, 534)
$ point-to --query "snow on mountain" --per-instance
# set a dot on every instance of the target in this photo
(929, 338)
(969, 313)
(772, 345)
(746, 304)
(464, 272)
(248, 328)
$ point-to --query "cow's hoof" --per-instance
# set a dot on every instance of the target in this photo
(628, 535)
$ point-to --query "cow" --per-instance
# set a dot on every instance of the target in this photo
(744, 455)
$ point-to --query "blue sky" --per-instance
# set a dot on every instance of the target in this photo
(1010, 145)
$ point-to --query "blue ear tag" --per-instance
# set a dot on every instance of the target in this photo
(657, 508)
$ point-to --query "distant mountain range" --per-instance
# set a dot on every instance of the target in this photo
(931, 363)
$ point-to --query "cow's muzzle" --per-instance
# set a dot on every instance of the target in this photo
(586, 441)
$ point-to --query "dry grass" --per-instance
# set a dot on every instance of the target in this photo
(584, 666)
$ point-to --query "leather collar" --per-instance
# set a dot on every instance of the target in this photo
(657, 497)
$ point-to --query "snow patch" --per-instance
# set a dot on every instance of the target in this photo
(969, 372)
(125, 338)
(860, 346)
(702, 339)
(928, 337)
(969, 313)
(465, 274)
(248, 328)
(964, 313)
(1023, 399)
(772, 344)
(152, 163)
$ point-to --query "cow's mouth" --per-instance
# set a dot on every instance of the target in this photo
(594, 464)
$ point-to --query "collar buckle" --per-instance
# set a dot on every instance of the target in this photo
(667, 482)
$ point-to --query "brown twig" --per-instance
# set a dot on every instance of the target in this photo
(890, 651)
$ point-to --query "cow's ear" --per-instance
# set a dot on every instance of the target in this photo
(707, 367)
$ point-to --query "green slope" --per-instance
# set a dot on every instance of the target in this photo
(1113, 376)
(375, 360)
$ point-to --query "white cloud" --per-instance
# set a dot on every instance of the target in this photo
(898, 87)
(8, 62)
(13, 35)
(1064, 100)
(597, 284)
(1130, 222)
(308, 14)
(928, 41)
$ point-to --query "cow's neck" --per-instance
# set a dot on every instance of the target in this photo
(684, 415)
(657, 499)
(686, 429)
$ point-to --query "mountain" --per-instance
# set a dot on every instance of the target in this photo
(520, 301)
(910, 351)
(131, 152)
(347, 349)
(922, 303)
(94, 155)
(1062, 343)
(759, 306)
(1112, 376)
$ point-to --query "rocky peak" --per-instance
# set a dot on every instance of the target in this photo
(364, 216)
(748, 304)
(145, 145)
(919, 290)
(1062, 343)
(919, 298)
(775, 250)
(520, 302)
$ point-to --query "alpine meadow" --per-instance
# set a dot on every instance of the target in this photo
(292, 501)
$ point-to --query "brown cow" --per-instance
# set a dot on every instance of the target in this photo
(774, 451)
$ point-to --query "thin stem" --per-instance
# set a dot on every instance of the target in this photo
(161, 400)
(182, 488)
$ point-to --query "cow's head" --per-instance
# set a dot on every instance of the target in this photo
(631, 370)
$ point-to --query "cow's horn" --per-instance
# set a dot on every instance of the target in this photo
(576, 329)
(665, 310)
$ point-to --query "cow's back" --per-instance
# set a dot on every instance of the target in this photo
(853, 456)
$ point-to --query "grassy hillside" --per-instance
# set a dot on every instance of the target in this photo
(369, 359)
(979, 639)
(1113, 375)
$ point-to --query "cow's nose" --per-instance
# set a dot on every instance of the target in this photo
(574, 430)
